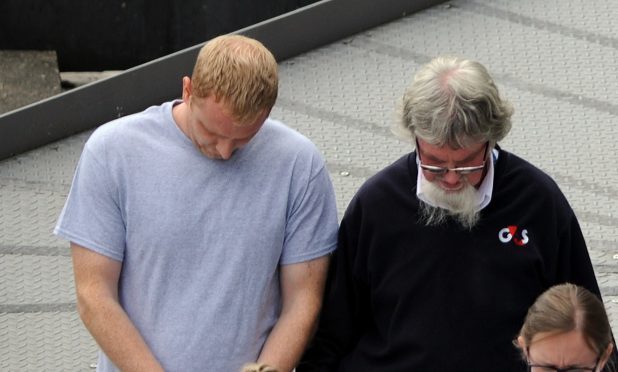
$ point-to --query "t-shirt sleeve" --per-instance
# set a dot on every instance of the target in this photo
(311, 228)
(91, 216)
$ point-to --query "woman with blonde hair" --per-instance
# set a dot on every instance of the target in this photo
(566, 329)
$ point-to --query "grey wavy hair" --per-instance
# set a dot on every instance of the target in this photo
(454, 101)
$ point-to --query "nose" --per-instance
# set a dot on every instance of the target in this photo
(225, 148)
(451, 178)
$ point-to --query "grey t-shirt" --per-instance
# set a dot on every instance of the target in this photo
(200, 240)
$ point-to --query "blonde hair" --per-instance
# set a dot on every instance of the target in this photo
(567, 307)
(241, 72)
(454, 101)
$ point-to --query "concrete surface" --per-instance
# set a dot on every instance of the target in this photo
(27, 76)
(73, 79)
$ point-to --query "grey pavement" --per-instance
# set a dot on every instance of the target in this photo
(73, 79)
(27, 76)
(555, 60)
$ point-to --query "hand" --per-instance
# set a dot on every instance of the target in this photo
(255, 367)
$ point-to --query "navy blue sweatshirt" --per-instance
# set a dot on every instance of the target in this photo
(402, 296)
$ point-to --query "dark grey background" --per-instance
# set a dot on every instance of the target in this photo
(118, 34)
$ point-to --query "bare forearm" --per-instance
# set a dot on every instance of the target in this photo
(288, 340)
(117, 336)
(302, 287)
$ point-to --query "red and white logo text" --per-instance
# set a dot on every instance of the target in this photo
(510, 233)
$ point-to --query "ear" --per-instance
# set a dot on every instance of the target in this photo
(522, 343)
(606, 355)
(186, 89)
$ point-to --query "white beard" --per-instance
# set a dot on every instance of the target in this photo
(461, 205)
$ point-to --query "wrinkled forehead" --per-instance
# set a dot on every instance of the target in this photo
(442, 153)
(561, 349)
(461, 144)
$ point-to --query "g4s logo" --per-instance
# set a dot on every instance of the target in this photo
(509, 233)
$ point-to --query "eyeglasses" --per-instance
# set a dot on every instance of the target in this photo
(535, 368)
(540, 368)
(462, 171)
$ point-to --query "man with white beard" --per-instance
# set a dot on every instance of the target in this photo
(441, 253)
